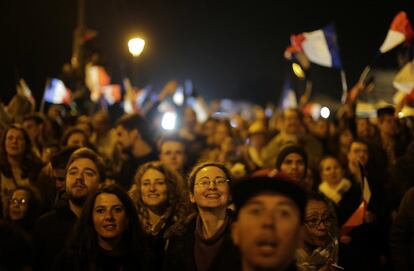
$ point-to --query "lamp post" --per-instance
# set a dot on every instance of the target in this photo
(135, 46)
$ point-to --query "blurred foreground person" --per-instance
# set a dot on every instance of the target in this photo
(269, 227)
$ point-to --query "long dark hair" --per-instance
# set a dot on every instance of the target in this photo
(83, 243)
(30, 163)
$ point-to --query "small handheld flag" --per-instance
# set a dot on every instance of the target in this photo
(320, 46)
(400, 31)
(56, 92)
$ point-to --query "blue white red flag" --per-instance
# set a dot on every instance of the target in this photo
(320, 46)
(56, 92)
(112, 93)
(288, 98)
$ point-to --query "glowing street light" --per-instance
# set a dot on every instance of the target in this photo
(325, 112)
(136, 46)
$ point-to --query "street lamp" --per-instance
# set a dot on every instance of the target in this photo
(136, 46)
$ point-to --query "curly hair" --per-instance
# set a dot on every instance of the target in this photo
(177, 202)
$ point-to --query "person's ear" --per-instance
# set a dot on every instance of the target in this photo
(192, 199)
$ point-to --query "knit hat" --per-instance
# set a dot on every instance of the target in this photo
(291, 149)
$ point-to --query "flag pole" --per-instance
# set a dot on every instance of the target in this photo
(364, 73)
(42, 102)
(344, 86)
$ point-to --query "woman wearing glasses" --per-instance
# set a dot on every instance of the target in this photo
(320, 248)
(202, 241)
(159, 197)
(24, 207)
(18, 163)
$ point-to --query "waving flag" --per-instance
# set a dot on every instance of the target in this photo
(320, 46)
(404, 80)
(96, 78)
(112, 93)
(358, 217)
(24, 90)
(288, 98)
(400, 31)
(56, 92)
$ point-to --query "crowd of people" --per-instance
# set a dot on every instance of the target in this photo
(279, 192)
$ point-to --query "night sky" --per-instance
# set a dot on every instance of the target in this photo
(230, 49)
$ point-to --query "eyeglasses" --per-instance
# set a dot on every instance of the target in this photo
(205, 182)
(315, 221)
(19, 202)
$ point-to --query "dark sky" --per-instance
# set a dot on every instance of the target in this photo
(230, 49)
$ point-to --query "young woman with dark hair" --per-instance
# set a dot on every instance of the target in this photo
(107, 236)
(18, 163)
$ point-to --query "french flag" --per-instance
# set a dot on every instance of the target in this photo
(320, 46)
(288, 97)
(56, 92)
(400, 31)
(112, 93)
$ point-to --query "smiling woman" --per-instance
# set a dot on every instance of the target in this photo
(107, 235)
(202, 241)
(158, 194)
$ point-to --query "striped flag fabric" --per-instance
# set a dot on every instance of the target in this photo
(320, 46)
(399, 32)
(288, 98)
(56, 92)
(112, 93)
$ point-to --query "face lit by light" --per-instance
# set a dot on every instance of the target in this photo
(213, 195)
(153, 188)
(268, 231)
(109, 217)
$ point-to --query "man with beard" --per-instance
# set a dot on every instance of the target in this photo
(84, 172)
